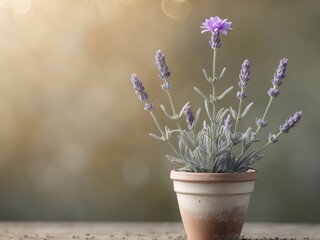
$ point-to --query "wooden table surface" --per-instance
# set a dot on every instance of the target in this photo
(143, 231)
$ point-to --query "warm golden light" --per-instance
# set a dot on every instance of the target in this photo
(176, 9)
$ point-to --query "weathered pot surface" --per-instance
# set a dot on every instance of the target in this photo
(213, 205)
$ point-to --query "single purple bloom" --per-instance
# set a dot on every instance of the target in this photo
(166, 86)
(280, 73)
(272, 138)
(162, 65)
(261, 123)
(227, 122)
(291, 122)
(241, 95)
(139, 88)
(216, 25)
(273, 92)
(148, 106)
(189, 116)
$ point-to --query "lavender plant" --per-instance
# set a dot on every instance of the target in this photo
(218, 146)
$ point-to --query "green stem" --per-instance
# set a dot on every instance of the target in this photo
(238, 114)
(173, 110)
(265, 114)
(261, 149)
(213, 83)
(268, 143)
(163, 135)
(157, 123)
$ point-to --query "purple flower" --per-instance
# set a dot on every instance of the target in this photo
(189, 116)
(216, 25)
(241, 95)
(290, 122)
(148, 106)
(272, 138)
(273, 92)
(244, 75)
(280, 73)
(227, 122)
(139, 88)
(162, 65)
(261, 123)
(244, 78)
(166, 85)
(215, 41)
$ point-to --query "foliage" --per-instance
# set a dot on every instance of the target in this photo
(216, 146)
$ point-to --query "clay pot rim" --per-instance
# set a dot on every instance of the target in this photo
(178, 175)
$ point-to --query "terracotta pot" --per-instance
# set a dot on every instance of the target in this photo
(213, 205)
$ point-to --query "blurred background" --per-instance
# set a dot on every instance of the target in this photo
(74, 141)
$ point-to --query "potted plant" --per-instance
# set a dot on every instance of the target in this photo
(216, 177)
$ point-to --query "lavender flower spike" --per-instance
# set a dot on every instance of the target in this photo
(162, 66)
(189, 116)
(244, 78)
(139, 88)
(291, 122)
(244, 75)
(280, 73)
(215, 41)
(216, 25)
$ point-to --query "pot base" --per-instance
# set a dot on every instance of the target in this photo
(213, 205)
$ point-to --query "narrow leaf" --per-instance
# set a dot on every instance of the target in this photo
(182, 109)
(206, 104)
(201, 93)
(224, 93)
(233, 113)
(209, 79)
(196, 119)
(165, 111)
(245, 111)
(222, 73)
(156, 137)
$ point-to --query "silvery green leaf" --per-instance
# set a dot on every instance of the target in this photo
(196, 119)
(182, 109)
(168, 132)
(221, 113)
(175, 160)
(222, 95)
(206, 104)
(245, 111)
(256, 140)
(201, 93)
(156, 137)
(189, 137)
(165, 111)
(247, 138)
(233, 113)
(209, 79)
(222, 73)
(223, 150)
